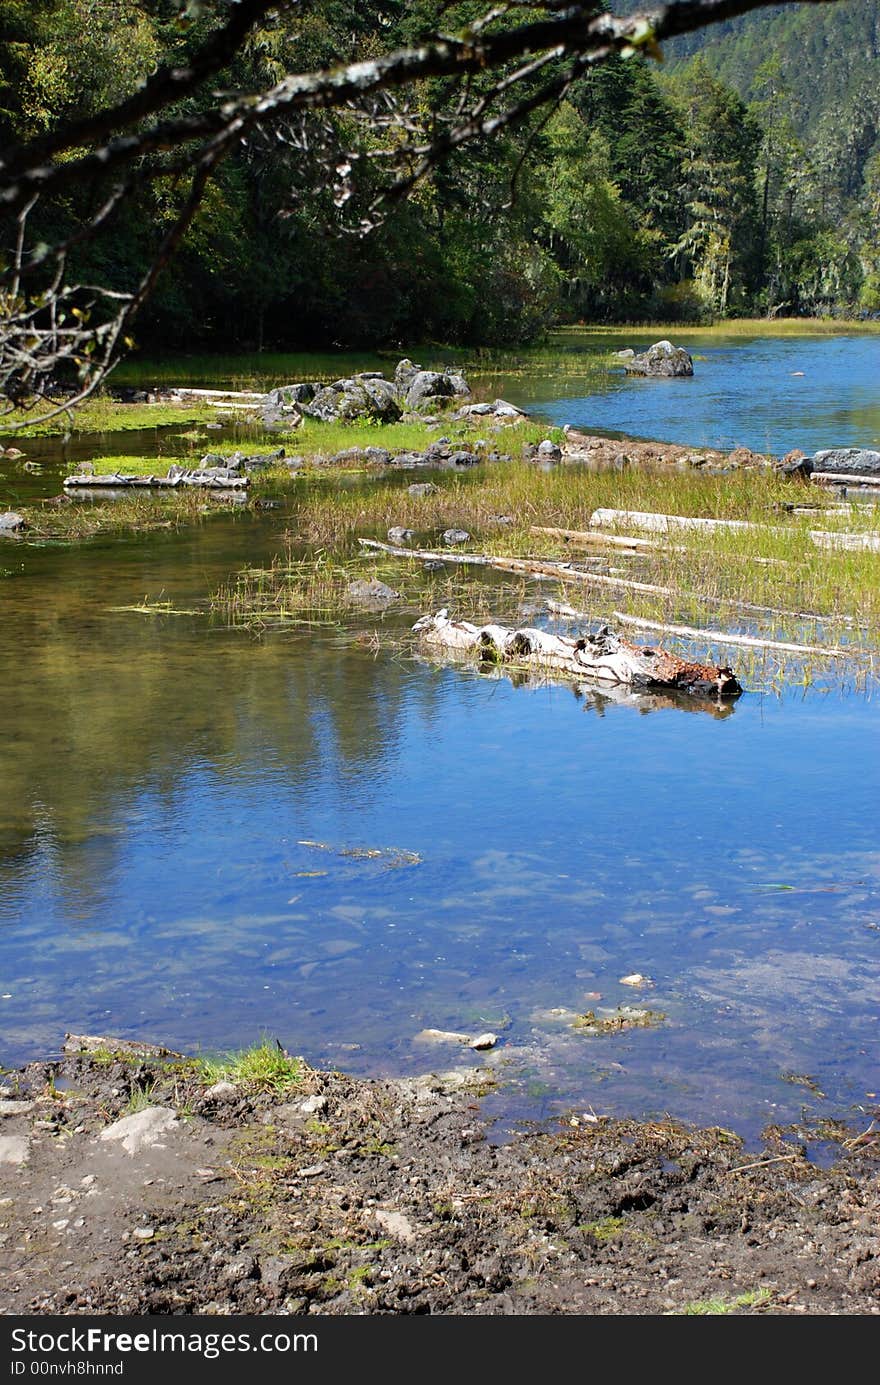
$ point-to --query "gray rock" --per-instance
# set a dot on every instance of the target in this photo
(549, 451)
(662, 360)
(10, 521)
(434, 565)
(377, 456)
(313, 1104)
(462, 458)
(222, 1091)
(849, 461)
(404, 374)
(299, 393)
(15, 1108)
(484, 1041)
(263, 460)
(421, 488)
(428, 384)
(399, 535)
(14, 1149)
(408, 459)
(453, 537)
(142, 1130)
(372, 592)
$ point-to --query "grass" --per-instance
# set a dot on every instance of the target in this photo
(140, 1099)
(770, 581)
(264, 1067)
(753, 1298)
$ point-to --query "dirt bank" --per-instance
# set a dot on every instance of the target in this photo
(333, 1195)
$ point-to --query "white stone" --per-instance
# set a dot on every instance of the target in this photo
(484, 1041)
(396, 1224)
(222, 1091)
(142, 1130)
(13, 1149)
(15, 1108)
(313, 1104)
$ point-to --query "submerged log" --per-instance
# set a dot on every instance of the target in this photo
(603, 657)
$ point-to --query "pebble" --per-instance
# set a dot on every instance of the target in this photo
(144, 1233)
(636, 979)
(482, 1041)
(141, 1130)
(313, 1104)
(222, 1091)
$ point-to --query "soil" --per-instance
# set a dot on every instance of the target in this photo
(344, 1196)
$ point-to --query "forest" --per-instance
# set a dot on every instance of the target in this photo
(715, 183)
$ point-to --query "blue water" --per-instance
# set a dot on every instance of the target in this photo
(179, 805)
(766, 394)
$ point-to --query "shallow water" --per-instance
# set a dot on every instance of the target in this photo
(189, 816)
(768, 394)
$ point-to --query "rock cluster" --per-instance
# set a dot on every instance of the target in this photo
(368, 395)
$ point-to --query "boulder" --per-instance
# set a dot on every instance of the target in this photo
(549, 451)
(372, 592)
(353, 399)
(453, 537)
(420, 489)
(11, 521)
(300, 393)
(427, 384)
(848, 461)
(399, 535)
(662, 360)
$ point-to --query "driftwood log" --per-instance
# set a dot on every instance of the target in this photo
(204, 479)
(604, 657)
(670, 524)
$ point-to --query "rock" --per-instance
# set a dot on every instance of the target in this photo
(549, 451)
(11, 521)
(453, 537)
(302, 392)
(441, 1036)
(636, 979)
(434, 565)
(483, 1041)
(499, 408)
(15, 1108)
(421, 489)
(399, 535)
(377, 456)
(404, 374)
(313, 1104)
(461, 459)
(142, 1130)
(14, 1149)
(372, 592)
(796, 464)
(427, 384)
(144, 1233)
(263, 460)
(396, 1224)
(222, 1091)
(626, 354)
(662, 360)
(849, 461)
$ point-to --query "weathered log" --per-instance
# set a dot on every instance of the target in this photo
(690, 632)
(853, 480)
(204, 480)
(603, 657)
(665, 524)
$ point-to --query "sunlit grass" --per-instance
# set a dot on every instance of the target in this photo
(265, 1067)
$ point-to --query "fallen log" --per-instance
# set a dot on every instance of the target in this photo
(852, 480)
(690, 632)
(203, 479)
(604, 657)
(665, 524)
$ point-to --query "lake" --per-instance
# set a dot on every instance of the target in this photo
(205, 837)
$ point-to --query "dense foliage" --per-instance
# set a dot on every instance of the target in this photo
(645, 194)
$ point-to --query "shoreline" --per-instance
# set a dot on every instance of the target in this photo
(144, 1185)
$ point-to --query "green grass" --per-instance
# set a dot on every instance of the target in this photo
(265, 1067)
(106, 415)
(754, 1298)
(140, 1099)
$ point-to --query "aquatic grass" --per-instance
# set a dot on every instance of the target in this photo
(75, 519)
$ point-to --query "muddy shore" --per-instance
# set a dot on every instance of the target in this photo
(129, 1184)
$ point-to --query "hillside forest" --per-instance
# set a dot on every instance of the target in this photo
(740, 176)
